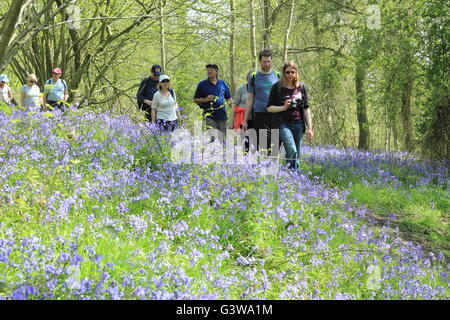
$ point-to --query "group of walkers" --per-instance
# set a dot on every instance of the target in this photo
(269, 100)
(55, 92)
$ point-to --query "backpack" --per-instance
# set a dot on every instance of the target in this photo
(253, 84)
(63, 81)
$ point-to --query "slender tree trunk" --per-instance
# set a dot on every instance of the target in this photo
(361, 107)
(288, 30)
(266, 24)
(406, 115)
(162, 36)
(9, 27)
(232, 48)
(253, 34)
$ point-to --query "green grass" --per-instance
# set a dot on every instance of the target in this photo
(421, 212)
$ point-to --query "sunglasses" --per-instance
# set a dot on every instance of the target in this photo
(165, 81)
(33, 81)
(290, 72)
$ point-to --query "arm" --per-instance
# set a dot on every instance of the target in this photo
(276, 104)
(308, 122)
(180, 118)
(10, 94)
(41, 98)
(154, 108)
(248, 110)
(22, 99)
(277, 109)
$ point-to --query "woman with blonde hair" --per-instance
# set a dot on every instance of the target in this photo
(31, 93)
(289, 98)
(165, 107)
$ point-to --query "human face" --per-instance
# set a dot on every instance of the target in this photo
(32, 82)
(165, 83)
(2, 84)
(290, 74)
(212, 73)
(156, 76)
(56, 75)
(266, 64)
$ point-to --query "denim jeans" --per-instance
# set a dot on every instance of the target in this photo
(291, 135)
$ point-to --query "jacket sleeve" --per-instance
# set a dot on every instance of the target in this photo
(140, 94)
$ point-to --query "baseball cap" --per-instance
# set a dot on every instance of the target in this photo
(155, 66)
(164, 77)
(212, 66)
(4, 78)
(57, 70)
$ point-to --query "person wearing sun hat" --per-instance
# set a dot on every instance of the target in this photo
(5, 91)
(147, 89)
(55, 91)
(165, 107)
(31, 93)
(211, 95)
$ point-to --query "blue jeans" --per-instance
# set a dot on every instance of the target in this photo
(291, 135)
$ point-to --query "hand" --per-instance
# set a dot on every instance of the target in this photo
(244, 126)
(148, 102)
(210, 98)
(309, 134)
(287, 104)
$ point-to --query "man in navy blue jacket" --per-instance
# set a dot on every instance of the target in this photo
(211, 95)
(147, 89)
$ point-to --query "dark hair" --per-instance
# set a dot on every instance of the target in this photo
(265, 53)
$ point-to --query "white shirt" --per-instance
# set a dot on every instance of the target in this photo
(166, 107)
(4, 94)
(32, 95)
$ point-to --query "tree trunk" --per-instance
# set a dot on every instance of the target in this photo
(9, 27)
(162, 36)
(253, 34)
(361, 107)
(232, 48)
(266, 24)
(288, 30)
(406, 115)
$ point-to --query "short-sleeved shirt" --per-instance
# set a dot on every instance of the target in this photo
(261, 89)
(278, 96)
(222, 93)
(166, 107)
(56, 89)
(241, 96)
(32, 95)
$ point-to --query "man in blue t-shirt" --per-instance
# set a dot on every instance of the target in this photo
(56, 93)
(259, 85)
(211, 95)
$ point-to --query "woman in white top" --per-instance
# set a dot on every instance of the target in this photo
(5, 91)
(165, 107)
(31, 94)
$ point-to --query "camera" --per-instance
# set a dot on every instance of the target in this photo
(296, 103)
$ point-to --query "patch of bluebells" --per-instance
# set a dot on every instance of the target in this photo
(103, 226)
(379, 168)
